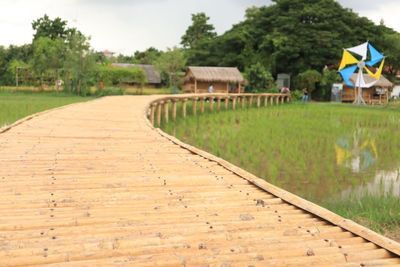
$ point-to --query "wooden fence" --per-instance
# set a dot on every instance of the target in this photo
(164, 109)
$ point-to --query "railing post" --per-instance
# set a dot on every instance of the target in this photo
(258, 101)
(277, 100)
(282, 99)
(194, 106)
(288, 98)
(184, 107)
(251, 101)
(159, 104)
(266, 100)
(152, 114)
(202, 105)
(173, 109)
(271, 100)
(234, 102)
(227, 103)
(211, 103)
(243, 100)
(166, 107)
(218, 103)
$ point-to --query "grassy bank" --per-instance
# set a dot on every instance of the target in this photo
(14, 106)
(378, 212)
(317, 151)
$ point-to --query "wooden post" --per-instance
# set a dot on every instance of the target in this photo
(243, 100)
(166, 107)
(258, 101)
(184, 108)
(239, 87)
(152, 114)
(195, 86)
(16, 76)
(218, 103)
(251, 101)
(288, 98)
(194, 106)
(202, 105)
(282, 99)
(227, 87)
(173, 109)
(265, 100)
(211, 103)
(271, 100)
(234, 102)
(226, 102)
(159, 113)
(277, 100)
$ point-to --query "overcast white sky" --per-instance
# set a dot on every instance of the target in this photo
(124, 26)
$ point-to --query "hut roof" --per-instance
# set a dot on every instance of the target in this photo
(383, 82)
(214, 74)
(153, 76)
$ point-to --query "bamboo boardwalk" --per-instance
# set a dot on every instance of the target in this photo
(93, 184)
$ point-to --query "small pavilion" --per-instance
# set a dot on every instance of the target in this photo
(223, 79)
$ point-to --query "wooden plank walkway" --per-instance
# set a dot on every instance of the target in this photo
(92, 184)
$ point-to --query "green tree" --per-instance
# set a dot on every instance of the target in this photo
(289, 36)
(79, 64)
(53, 29)
(172, 64)
(199, 31)
(48, 55)
(391, 50)
(149, 56)
(259, 79)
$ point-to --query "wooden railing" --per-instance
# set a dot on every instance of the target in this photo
(164, 109)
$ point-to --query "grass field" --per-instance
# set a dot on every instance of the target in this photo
(14, 106)
(334, 155)
(106, 90)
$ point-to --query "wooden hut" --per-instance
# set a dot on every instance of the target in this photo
(223, 80)
(377, 94)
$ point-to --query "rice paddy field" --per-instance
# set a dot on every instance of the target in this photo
(16, 105)
(343, 157)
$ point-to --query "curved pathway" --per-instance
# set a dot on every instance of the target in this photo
(92, 184)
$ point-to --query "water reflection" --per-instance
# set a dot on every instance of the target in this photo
(384, 183)
(356, 154)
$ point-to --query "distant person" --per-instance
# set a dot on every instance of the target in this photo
(59, 84)
(305, 95)
(211, 89)
(285, 90)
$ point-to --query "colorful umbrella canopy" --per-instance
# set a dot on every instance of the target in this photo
(369, 58)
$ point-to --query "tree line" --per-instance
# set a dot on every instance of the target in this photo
(303, 38)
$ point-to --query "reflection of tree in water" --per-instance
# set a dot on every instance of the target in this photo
(357, 153)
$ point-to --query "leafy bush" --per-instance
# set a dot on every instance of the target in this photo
(308, 79)
(110, 75)
(297, 95)
(329, 77)
(260, 80)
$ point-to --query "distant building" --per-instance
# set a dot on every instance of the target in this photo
(377, 94)
(108, 53)
(223, 80)
(152, 75)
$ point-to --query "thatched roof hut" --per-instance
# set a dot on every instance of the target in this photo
(223, 79)
(377, 94)
(153, 76)
(383, 82)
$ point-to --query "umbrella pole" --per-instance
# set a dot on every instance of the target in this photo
(359, 99)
